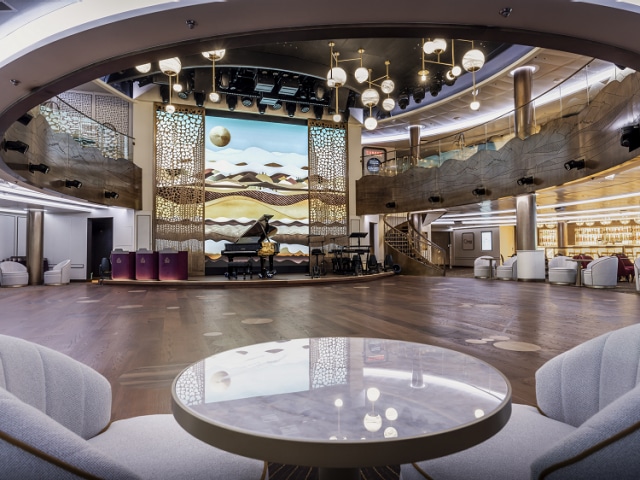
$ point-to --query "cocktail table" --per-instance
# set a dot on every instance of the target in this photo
(341, 403)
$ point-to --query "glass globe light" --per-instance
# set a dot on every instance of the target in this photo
(337, 118)
(170, 66)
(361, 74)
(370, 97)
(390, 432)
(170, 108)
(475, 105)
(373, 394)
(177, 87)
(144, 68)
(214, 97)
(370, 123)
(387, 85)
(473, 60)
(439, 45)
(388, 104)
(336, 77)
(429, 47)
(456, 71)
(214, 54)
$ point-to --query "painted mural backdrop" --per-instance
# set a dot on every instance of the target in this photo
(253, 168)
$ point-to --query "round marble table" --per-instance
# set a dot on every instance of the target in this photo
(341, 403)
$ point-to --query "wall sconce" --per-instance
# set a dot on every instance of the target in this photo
(525, 181)
(16, 146)
(390, 204)
(72, 183)
(630, 137)
(41, 167)
(435, 199)
(577, 164)
(478, 192)
(113, 195)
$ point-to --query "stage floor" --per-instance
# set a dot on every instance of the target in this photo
(278, 280)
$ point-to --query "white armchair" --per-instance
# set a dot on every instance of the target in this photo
(484, 267)
(55, 423)
(509, 269)
(601, 273)
(59, 274)
(587, 424)
(13, 274)
(562, 270)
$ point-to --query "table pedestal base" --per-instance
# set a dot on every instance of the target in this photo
(338, 473)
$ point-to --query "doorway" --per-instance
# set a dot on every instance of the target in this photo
(99, 244)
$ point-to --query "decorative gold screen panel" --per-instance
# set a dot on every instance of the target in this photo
(179, 195)
(328, 195)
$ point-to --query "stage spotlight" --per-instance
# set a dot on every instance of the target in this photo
(305, 107)
(200, 98)
(630, 137)
(318, 112)
(435, 199)
(577, 164)
(525, 181)
(277, 105)
(478, 192)
(111, 195)
(418, 94)
(232, 101)
(72, 183)
(403, 100)
(247, 101)
(291, 109)
(16, 146)
(41, 167)
(261, 108)
(390, 204)
(25, 119)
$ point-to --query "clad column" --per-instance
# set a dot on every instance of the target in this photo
(414, 144)
(35, 256)
(522, 99)
(530, 264)
(563, 237)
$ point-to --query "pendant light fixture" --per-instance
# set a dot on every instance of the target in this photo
(214, 55)
(170, 67)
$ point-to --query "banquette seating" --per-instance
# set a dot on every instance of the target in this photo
(60, 274)
(601, 273)
(562, 270)
(483, 266)
(587, 424)
(55, 423)
(508, 270)
(13, 274)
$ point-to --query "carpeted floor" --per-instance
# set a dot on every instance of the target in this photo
(292, 472)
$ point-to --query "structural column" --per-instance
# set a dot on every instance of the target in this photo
(522, 99)
(530, 260)
(35, 250)
(414, 144)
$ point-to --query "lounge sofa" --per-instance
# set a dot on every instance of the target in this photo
(55, 417)
(587, 424)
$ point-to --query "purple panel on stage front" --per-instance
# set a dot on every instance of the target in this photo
(173, 265)
(146, 265)
(123, 265)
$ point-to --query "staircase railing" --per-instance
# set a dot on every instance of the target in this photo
(400, 234)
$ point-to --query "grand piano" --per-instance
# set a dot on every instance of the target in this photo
(253, 242)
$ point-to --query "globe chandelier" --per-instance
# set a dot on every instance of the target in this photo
(214, 55)
(170, 67)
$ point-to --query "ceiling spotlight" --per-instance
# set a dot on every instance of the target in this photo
(403, 100)
(291, 109)
(41, 167)
(262, 108)
(25, 119)
(435, 199)
(15, 145)
(418, 94)
(577, 164)
(232, 101)
(247, 101)
(630, 137)
(199, 98)
(318, 112)
(305, 107)
(525, 181)
(478, 192)
(111, 195)
(390, 204)
(72, 183)
(505, 12)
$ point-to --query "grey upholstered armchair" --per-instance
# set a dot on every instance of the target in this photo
(55, 423)
(588, 425)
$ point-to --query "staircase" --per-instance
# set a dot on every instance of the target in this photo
(411, 249)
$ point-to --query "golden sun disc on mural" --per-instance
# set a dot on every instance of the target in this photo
(219, 136)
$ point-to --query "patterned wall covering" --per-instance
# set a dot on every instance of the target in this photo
(328, 195)
(179, 198)
(329, 362)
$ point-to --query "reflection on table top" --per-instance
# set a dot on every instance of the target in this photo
(336, 390)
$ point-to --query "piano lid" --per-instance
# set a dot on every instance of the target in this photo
(257, 232)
